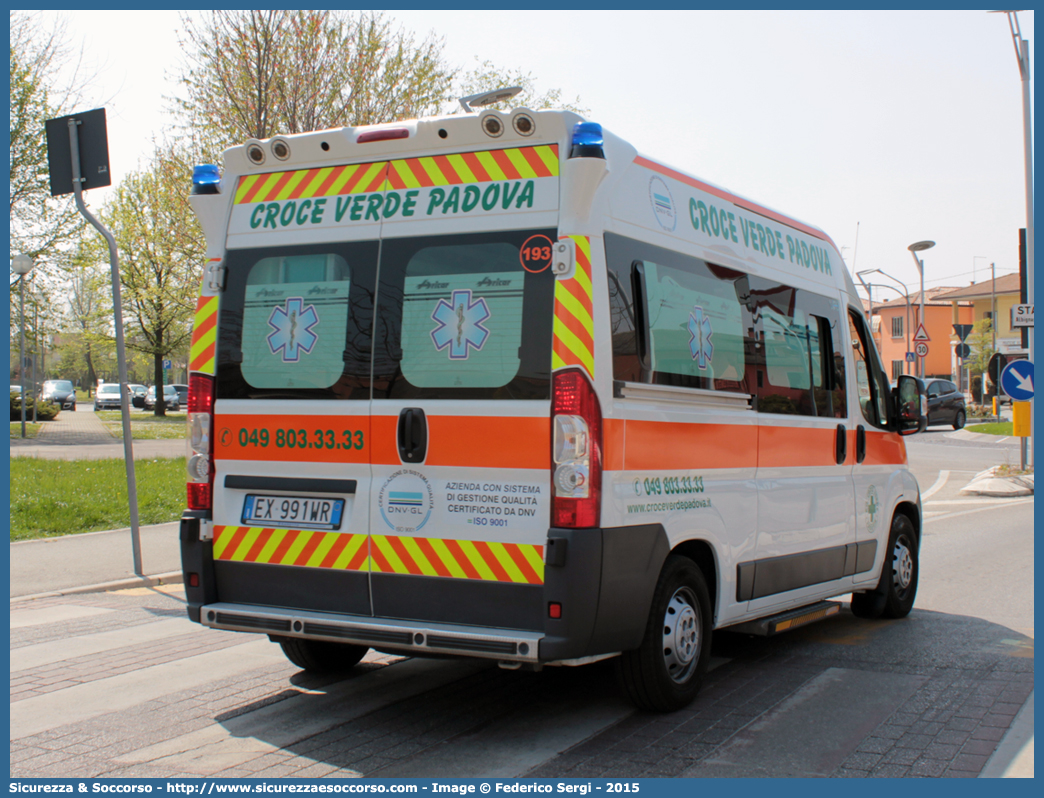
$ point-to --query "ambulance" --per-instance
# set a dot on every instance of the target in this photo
(496, 385)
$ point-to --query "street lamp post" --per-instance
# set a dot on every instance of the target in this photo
(21, 265)
(905, 294)
(920, 246)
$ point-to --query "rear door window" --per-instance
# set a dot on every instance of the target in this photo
(296, 322)
(460, 316)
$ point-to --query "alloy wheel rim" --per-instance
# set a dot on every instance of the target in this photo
(681, 635)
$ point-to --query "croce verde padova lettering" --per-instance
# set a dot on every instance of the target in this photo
(429, 202)
(729, 226)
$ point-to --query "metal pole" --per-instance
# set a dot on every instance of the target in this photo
(114, 263)
(920, 264)
(21, 347)
(1024, 68)
(36, 346)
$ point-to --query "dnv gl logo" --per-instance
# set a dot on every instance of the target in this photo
(460, 325)
(292, 329)
(700, 333)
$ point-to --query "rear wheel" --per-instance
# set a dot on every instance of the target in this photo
(666, 671)
(320, 656)
(895, 593)
(959, 419)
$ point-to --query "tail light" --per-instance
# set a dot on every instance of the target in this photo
(576, 467)
(200, 442)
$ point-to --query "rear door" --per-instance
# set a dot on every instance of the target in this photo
(461, 431)
(292, 445)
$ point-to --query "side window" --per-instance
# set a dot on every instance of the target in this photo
(871, 385)
(934, 390)
(676, 320)
(798, 336)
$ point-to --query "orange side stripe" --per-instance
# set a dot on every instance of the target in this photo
(429, 551)
(462, 559)
(653, 445)
(779, 447)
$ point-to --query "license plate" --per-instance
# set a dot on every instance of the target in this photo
(293, 511)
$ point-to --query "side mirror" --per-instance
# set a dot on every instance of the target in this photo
(911, 405)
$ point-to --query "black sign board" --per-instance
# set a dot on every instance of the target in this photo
(94, 151)
(963, 351)
(996, 366)
(962, 331)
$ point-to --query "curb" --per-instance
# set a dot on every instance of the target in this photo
(171, 578)
(1013, 758)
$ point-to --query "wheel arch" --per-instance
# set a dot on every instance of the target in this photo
(912, 512)
(702, 553)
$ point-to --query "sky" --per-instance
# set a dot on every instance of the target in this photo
(882, 128)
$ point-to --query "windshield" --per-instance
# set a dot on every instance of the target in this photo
(58, 385)
(109, 388)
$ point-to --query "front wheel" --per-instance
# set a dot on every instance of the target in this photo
(959, 419)
(666, 671)
(319, 656)
(894, 595)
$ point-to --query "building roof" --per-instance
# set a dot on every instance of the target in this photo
(932, 297)
(1005, 284)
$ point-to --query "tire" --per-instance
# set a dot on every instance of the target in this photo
(666, 671)
(959, 419)
(895, 593)
(319, 656)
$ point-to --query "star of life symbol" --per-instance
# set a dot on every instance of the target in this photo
(292, 329)
(700, 332)
(460, 324)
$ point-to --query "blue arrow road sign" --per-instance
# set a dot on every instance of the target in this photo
(1017, 380)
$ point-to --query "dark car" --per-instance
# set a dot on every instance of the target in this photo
(171, 401)
(61, 392)
(137, 394)
(945, 404)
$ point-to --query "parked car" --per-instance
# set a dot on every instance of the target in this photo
(945, 404)
(170, 398)
(182, 393)
(61, 392)
(137, 394)
(107, 397)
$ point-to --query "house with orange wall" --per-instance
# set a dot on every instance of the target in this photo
(894, 325)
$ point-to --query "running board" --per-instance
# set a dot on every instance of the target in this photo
(785, 621)
(408, 637)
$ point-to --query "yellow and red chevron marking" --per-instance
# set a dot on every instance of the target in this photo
(438, 170)
(474, 167)
(310, 548)
(204, 335)
(573, 341)
(464, 559)
(329, 181)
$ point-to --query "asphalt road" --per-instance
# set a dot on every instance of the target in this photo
(121, 685)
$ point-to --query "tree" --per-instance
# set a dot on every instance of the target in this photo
(253, 74)
(87, 331)
(161, 257)
(40, 224)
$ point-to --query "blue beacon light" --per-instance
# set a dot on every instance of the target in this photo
(587, 141)
(205, 179)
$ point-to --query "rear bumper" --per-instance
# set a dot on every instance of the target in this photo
(601, 579)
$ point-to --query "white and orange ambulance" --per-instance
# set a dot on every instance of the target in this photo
(495, 385)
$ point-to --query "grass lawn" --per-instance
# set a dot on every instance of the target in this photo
(144, 425)
(996, 428)
(31, 429)
(59, 497)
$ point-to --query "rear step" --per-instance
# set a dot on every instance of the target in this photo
(786, 621)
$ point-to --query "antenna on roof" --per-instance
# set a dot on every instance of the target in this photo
(488, 98)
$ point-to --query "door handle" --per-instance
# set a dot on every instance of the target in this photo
(860, 443)
(413, 435)
(840, 444)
